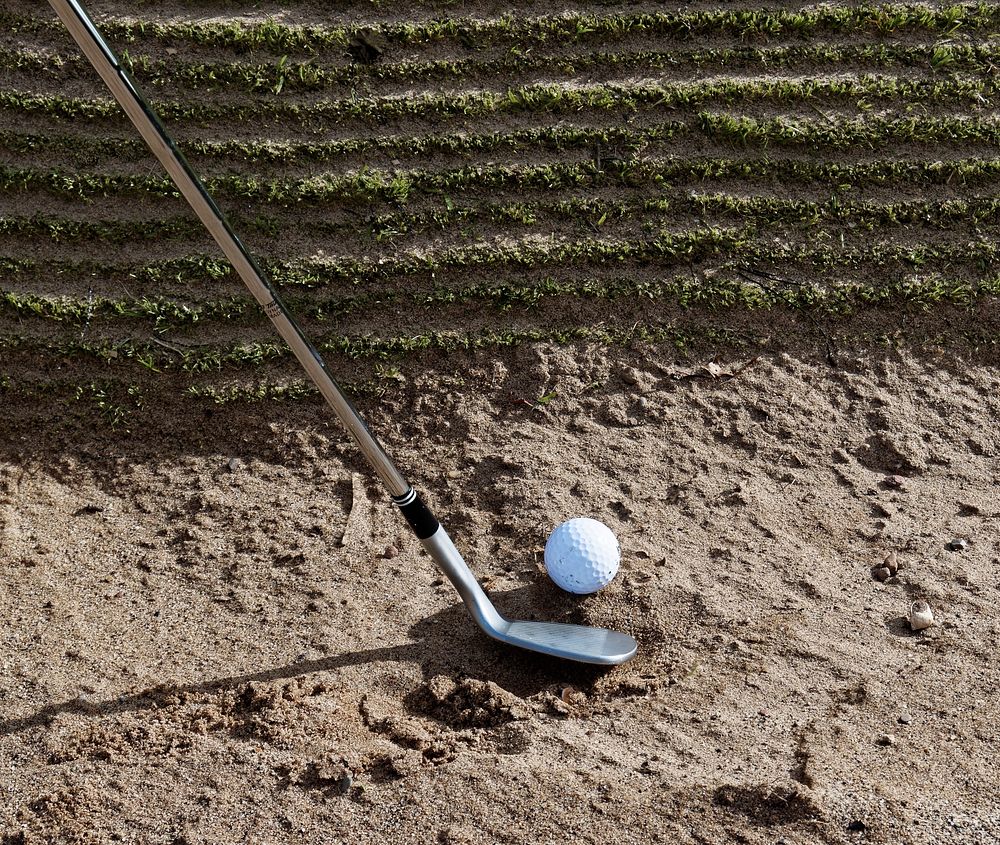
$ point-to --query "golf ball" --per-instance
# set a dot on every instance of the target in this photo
(582, 555)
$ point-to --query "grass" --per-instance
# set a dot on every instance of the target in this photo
(270, 153)
(371, 186)
(868, 132)
(600, 212)
(250, 356)
(718, 296)
(673, 175)
(522, 31)
(730, 288)
(830, 133)
(284, 76)
(534, 99)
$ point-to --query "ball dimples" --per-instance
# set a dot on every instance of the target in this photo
(582, 555)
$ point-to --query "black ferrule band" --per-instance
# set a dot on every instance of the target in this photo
(419, 516)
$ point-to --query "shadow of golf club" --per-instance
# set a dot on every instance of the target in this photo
(447, 642)
(153, 697)
(461, 649)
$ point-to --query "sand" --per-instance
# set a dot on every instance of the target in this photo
(218, 630)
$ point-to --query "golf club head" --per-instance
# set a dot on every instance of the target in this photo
(570, 642)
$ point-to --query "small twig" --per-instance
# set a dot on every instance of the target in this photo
(764, 274)
(821, 113)
(166, 345)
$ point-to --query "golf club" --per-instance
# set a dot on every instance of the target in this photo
(573, 642)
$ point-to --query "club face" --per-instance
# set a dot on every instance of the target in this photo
(570, 642)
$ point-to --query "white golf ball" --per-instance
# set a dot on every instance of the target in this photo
(582, 555)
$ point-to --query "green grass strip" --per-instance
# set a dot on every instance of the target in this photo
(244, 355)
(522, 141)
(720, 290)
(724, 294)
(194, 269)
(689, 247)
(870, 215)
(867, 132)
(372, 186)
(596, 212)
(284, 76)
(162, 312)
(881, 19)
(534, 99)
(834, 133)
(59, 229)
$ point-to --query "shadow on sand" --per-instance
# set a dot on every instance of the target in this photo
(447, 642)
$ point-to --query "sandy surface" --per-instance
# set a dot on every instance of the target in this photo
(203, 649)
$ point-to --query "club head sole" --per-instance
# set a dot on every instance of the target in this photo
(570, 642)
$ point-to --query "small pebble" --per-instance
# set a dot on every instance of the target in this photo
(391, 552)
(234, 464)
(454, 473)
(921, 616)
(896, 481)
(905, 718)
(648, 767)
(630, 376)
(882, 573)
(346, 781)
(956, 545)
(885, 740)
(891, 562)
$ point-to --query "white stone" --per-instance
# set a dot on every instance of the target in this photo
(921, 616)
